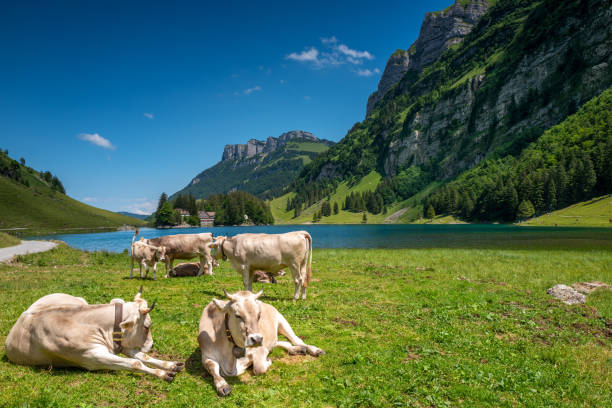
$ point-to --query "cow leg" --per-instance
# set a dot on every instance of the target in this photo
(223, 388)
(131, 267)
(146, 269)
(298, 345)
(168, 261)
(145, 358)
(247, 277)
(102, 359)
(201, 270)
(261, 362)
(140, 269)
(297, 281)
(154, 270)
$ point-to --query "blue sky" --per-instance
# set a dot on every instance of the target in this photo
(124, 100)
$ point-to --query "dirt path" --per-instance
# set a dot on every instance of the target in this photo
(26, 247)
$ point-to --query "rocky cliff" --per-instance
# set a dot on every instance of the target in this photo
(524, 67)
(439, 31)
(254, 147)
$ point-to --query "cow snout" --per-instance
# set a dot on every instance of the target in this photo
(254, 340)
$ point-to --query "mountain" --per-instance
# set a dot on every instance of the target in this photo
(439, 31)
(134, 215)
(34, 202)
(496, 83)
(262, 168)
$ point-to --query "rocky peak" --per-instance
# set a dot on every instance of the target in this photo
(439, 31)
(254, 147)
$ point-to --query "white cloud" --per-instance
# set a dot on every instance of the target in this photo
(149, 115)
(311, 55)
(356, 55)
(367, 72)
(90, 199)
(251, 90)
(142, 208)
(330, 40)
(97, 140)
(333, 54)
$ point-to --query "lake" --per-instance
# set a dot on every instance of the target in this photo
(377, 236)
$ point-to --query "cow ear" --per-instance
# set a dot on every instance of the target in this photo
(222, 305)
(128, 323)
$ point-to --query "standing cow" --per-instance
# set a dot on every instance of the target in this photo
(271, 253)
(186, 246)
(237, 333)
(60, 330)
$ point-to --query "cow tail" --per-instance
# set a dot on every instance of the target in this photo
(309, 267)
(133, 239)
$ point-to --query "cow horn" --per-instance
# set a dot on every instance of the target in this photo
(152, 306)
(140, 290)
(258, 294)
(227, 295)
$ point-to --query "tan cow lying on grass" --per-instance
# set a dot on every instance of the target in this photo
(271, 253)
(147, 255)
(60, 330)
(237, 333)
(186, 246)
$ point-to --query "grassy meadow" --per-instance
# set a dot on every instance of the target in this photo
(596, 212)
(434, 327)
(7, 240)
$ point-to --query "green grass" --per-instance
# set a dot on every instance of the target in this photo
(440, 219)
(596, 212)
(307, 147)
(476, 328)
(41, 210)
(7, 240)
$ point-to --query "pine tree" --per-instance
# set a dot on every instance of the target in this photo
(364, 220)
(525, 210)
(336, 209)
(430, 213)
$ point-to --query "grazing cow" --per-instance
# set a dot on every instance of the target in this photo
(271, 253)
(237, 333)
(60, 330)
(186, 246)
(147, 255)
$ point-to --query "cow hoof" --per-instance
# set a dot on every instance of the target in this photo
(169, 376)
(316, 352)
(224, 391)
(301, 350)
(178, 367)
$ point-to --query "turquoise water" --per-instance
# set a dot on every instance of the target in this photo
(379, 236)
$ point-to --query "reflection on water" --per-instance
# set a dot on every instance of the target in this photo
(379, 236)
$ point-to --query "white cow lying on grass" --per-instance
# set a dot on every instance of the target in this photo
(60, 330)
(270, 253)
(240, 332)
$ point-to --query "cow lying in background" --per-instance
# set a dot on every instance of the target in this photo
(271, 253)
(188, 269)
(185, 246)
(60, 330)
(147, 255)
(237, 333)
(266, 277)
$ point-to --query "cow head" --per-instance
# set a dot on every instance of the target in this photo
(160, 253)
(217, 245)
(243, 310)
(136, 324)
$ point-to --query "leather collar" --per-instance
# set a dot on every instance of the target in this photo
(236, 351)
(117, 335)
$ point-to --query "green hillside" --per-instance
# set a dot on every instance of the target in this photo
(264, 175)
(570, 163)
(30, 204)
(596, 213)
(525, 67)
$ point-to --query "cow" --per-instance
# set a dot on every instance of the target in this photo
(190, 269)
(271, 253)
(61, 330)
(185, 246)
(147, 255)
(241, 331)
